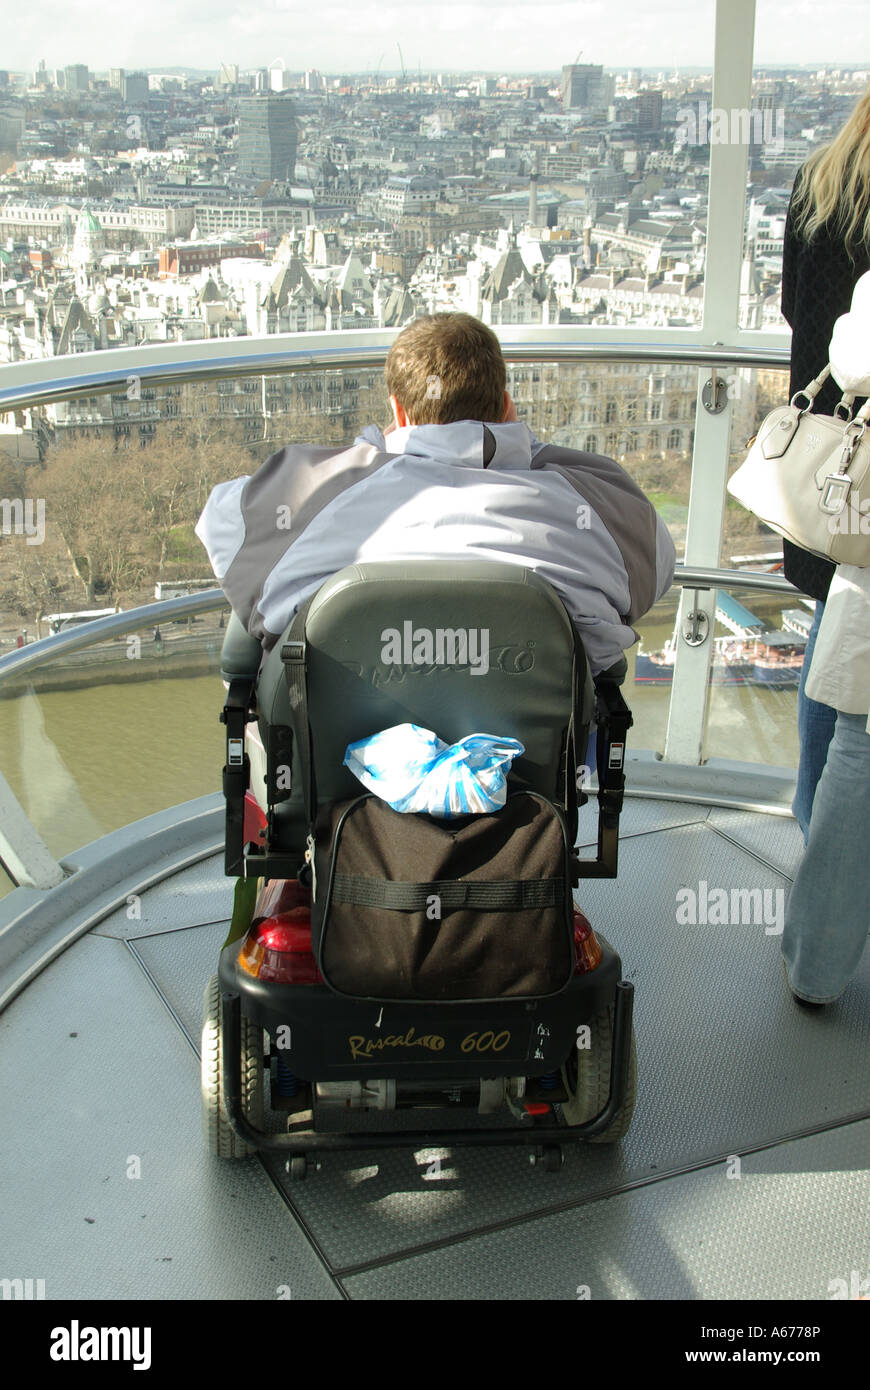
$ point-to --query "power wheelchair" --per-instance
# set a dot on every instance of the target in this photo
(282, 1046)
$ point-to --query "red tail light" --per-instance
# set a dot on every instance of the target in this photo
(278, 949)
(587, 952)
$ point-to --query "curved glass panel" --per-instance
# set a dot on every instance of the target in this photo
(122, 483)
(119, 495)
(747, 544)
(112, 733)
(107, 735)
(802, 93)
(552, 179)
(758, 652)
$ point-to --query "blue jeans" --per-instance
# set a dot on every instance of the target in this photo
(828, 912)
(815, 731)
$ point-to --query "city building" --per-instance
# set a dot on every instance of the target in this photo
(76, 78)
(649, 110)
(134, 88)
(188, 258)
(402, 196)
(228, 75)
(268, 137)
(583, 86)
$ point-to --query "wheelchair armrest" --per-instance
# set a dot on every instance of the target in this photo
(241, 653)
(615, 674)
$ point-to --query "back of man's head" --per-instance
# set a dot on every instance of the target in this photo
(447, 367)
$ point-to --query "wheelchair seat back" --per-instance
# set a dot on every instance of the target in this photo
(481, 647)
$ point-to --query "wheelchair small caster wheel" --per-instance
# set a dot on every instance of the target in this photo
(297, 1167)
(552, 1158)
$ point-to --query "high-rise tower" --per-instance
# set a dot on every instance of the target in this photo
(267, 136)
(582, 85)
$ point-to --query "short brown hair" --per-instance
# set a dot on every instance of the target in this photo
(447, 367)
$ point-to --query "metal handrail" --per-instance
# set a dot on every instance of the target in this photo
(690, 577)
(123, 364)
(114, 625)
(118, 624)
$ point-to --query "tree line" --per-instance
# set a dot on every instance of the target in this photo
(120, 510)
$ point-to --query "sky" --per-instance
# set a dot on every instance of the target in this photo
(486, 35)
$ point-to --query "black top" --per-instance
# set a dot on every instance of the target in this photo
(818, 278)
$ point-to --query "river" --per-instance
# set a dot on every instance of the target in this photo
(86, 761)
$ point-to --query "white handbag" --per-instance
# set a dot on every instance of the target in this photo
(808, 477)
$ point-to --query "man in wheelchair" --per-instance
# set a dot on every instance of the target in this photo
(454, 573)
(455, 474)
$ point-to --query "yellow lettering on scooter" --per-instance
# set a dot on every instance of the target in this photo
(362, 1048)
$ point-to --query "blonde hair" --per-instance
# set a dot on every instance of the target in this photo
(834, 184)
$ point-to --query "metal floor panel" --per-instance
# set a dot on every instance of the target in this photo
(640, 816)
(792, 1223)
(726, 1061)
(775, 839)
(194, 897)
(181, 963)
(77, 1109)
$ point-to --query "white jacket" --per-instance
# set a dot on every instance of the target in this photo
(463, 488)
(840, 672)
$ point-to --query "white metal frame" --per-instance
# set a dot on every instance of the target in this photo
(732, 89)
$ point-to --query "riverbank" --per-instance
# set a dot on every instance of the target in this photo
(194, 650)
(124, 660)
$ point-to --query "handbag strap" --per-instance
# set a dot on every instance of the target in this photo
(845, 402)
(815, 386)
(852, 436)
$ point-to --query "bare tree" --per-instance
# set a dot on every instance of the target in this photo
(89, 497)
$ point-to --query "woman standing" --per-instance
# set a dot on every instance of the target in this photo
(825, 251)
(828, 912)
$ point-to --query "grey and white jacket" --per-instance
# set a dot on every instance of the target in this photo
(493, 491)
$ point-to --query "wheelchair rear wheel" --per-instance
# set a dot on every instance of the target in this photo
(221, 1139)
(586, 1074)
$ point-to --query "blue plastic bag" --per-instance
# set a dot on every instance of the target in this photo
(413, 770)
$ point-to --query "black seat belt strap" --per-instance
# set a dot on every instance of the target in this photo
(236, 772)
(295, 657)
(614, 720)
(294, 654)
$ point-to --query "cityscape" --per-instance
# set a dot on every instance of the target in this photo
(152, 207)
(587, 1023)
